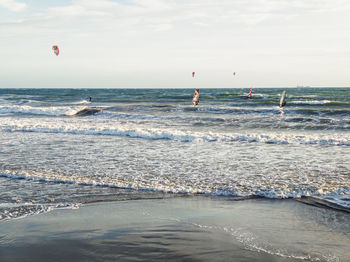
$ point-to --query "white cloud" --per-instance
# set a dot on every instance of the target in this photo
(102, 36)
(155, 14)
(13, 5)
(162, 27)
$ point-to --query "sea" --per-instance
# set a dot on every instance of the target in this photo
(58, 149)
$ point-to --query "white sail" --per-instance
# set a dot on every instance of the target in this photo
(283, 99)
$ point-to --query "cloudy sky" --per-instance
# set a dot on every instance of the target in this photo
(158, 43)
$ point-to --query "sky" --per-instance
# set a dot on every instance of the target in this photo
(159, 43)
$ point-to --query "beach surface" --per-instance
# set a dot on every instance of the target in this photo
(180, 228)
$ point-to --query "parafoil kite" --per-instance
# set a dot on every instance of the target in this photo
(193, 73)
(56, 50)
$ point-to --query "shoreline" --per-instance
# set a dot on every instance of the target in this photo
(192, 228)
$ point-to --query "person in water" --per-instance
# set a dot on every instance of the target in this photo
(90, 98)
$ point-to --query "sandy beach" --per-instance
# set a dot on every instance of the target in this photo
(180, 229)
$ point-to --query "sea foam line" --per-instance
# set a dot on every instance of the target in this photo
(47, 111)
(311, 102)
(257, 191)
(10, 211)
(152, 133)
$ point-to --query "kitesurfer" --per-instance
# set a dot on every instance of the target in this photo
(195, 98)
(250, 93)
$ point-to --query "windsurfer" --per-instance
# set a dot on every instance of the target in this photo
(283, 99)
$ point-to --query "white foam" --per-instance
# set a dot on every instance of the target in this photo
(81, 102)
(311, 102)
(48, 111)
(10, 211)
(256, 187)
(115, 127)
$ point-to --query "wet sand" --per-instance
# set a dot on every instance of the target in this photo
(180, 229)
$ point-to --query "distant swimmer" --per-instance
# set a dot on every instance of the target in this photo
(90, 98)
(283, 99)
(195, 98)
(250, 93)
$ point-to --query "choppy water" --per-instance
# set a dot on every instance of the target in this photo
(150, 142)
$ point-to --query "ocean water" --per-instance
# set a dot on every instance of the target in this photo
(59, 150)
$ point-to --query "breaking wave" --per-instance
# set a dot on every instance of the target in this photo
(138, 130)
(337, 199)
(45, 111)
(311, 102)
